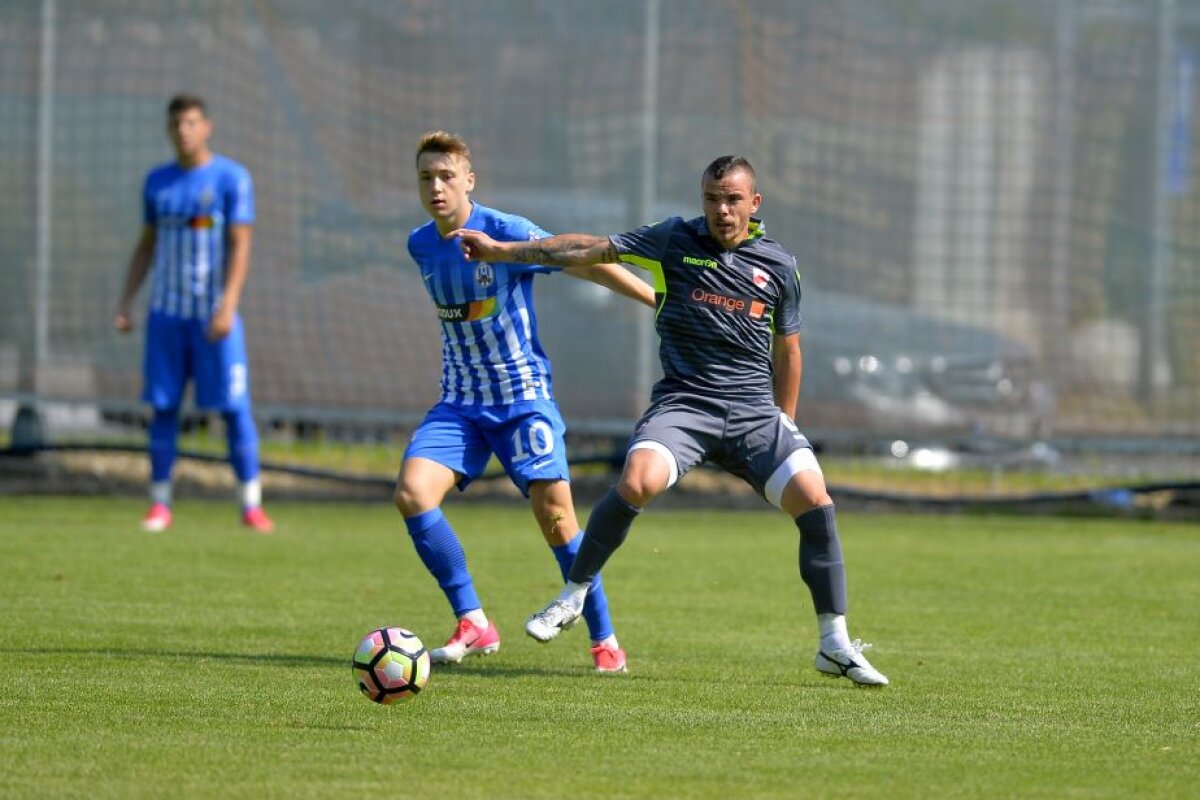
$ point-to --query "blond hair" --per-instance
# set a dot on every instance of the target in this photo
(443, 142)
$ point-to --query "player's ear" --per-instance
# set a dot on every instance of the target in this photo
(470, 181)
(755, 202)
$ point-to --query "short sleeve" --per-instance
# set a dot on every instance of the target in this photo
(645, 244)
(240, 197)
(787, 316)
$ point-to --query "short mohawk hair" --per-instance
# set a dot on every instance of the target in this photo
(724, 165)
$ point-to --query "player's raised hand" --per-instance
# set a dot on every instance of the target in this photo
(477, 245)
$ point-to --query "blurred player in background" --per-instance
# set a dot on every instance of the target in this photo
(496, 397)
(198, 214)
(728, 324)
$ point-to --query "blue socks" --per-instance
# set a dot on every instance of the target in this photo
(595, 609)
(443, 556)
(240, 433)
(242, 437)
(164, 430)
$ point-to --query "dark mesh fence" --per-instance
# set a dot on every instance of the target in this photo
(993, 203)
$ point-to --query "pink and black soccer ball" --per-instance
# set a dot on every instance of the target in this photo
(391, 665)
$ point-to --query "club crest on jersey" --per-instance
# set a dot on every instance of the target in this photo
(484, 276)
(761, 278)
(205, 200)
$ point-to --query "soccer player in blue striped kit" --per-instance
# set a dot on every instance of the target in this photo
(198, 214)
(728, 323)
(496, 398)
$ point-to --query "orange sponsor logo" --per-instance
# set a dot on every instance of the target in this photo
(731, 304)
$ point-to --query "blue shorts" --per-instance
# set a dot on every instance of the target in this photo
(527, 438)
(178, 350)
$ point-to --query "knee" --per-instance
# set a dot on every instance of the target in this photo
(638, 489)
(410, 499)
(802, 496)
(552, 520)
(554, 511)
(647, 474)
(421, 486)
(810, 501)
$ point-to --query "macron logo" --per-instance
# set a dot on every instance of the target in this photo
(700, 262)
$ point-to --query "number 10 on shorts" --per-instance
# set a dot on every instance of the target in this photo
(532, 441)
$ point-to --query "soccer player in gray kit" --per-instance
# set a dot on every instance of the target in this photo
(728, 322)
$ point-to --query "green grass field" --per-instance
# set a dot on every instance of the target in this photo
(1029, 657)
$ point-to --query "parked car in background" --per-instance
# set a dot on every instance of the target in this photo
(870, 367)
(871, 370)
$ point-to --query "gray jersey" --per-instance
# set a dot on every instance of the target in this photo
(718, 309)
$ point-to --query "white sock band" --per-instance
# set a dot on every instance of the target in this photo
(160, 492)
(250, 493)
(575, 593)
(833, 629)
(477, 617)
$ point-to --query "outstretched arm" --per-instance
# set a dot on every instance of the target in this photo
(566, 250)
(139, 265)
(788, 365)
(616, 278)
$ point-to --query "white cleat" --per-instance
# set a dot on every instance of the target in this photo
(849, 662)
(558, 616)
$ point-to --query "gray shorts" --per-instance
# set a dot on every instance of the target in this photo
(757, 443)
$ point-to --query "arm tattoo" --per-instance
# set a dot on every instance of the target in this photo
(567, 250)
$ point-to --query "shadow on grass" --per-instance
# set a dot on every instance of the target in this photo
(501, 670)
(282, 659)
(474, 669)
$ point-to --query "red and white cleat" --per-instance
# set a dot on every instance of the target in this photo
(157, 519)
(257, 519)
(608, 659)
(468, 639)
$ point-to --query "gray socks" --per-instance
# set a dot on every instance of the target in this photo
(606, 530)
(821, 564)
